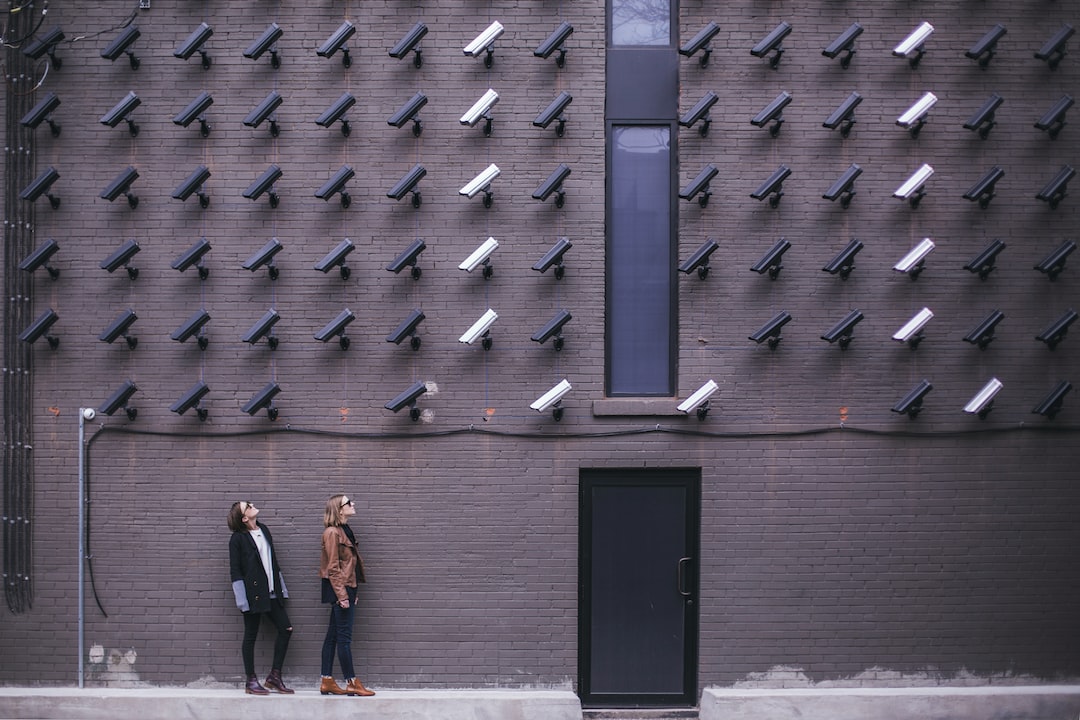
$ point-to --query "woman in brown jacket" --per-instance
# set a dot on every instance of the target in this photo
(341, 570)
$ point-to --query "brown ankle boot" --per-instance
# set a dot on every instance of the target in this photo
(355, 687)
(275, 683)
(254, 688)
(329, 687)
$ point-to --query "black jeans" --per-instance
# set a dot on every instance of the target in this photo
(339, 637)
(252, 620)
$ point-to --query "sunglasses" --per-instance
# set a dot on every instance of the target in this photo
(245, 506)
(346, 503)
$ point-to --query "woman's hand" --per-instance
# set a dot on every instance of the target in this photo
(344, 603)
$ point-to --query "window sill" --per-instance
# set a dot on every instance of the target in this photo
(654, 406)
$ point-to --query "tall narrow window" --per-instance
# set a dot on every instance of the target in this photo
(641, 22)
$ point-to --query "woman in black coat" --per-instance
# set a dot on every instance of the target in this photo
(260, 591)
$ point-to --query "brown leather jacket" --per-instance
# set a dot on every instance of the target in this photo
(340, 562)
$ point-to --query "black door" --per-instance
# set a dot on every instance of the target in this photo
(638, 617)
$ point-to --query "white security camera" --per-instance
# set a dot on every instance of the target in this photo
(699, 400)
(551, 399)
(983, 401)
(915, 116)
(912, 263)
(481, 182)
(911, 331)
(480, 255)
(484, 41)
(912, 188)
(480, 108)
(480, 328)
(89, 413)
(911, 47)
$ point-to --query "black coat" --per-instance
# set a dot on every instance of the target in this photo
(249, 582)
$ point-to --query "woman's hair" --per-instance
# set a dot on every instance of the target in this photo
(236, 517)
(333, 517)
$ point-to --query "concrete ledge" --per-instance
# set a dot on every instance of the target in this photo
(1027, 702)
(172, 704)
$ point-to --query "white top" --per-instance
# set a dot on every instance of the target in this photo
(264, 555)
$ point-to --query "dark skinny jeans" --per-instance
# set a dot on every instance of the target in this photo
(339, 638)
(252, 620)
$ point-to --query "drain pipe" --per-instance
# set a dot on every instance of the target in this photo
(84, 415)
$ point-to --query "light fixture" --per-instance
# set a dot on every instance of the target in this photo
(553, 184)
(698, 401)
(700, 112)
(983, 333)
(408, 258)
(844, 43)
(554, 256)
(336, 112)
(119, 399)
(983, 190)
(913, 263)
(41, 186)
(266, 42)
(1055, 190)
(483, 43)
(120, 111)
(1053, 120)
(45, 45)
(844, 262)
(121, 185)
(265, 256)
(122, 44)
(194, 44)
(40, 258)
(844, 187)
(194, 184)
(1055, 332)
(191, 326)
(407, 329)
(119, 327)
(914, 117)
(700, 43)
(264, 183)
(336, 184)
(41, 112)
(552, 400)
(555, 41)
(771, 44)
(482, 183)
(336, 328)
(983, 401)
(700, 185)
(265, 110)
(40, 328)
(190, 400)
(914, 188)
(194, 111)
(770, 331)
(263, 327)
(336, 259)
(336, 42)
(407, 184)
(983, 51)
(264, 399)
(193, 256)
(911, 332)
(1053, 51)
(1054, 263)
(841, 332)
(771, 261)
(773, 113)
(1051, 404)
(983, 119)
(407, 398)
(121, 257)
(699, 259)
(911, 404)
(843, 116)
(984, 262)
(409, 43)
(773, 187)
(912, 47)
(480, 329)
(554, 111)
(408, 112)
(553, 329)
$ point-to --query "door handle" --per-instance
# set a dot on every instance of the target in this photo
(680, 576)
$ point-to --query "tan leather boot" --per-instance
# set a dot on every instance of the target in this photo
(355, 687)
(329, 687)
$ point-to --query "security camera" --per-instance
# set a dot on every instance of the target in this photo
(89, 413)
(1055, 190)
(481, 182)
(191, 326)
(46, 44)
(1053, 51)
(121, 257)
(915, 116)
(553, 184)
(770, 331)
(983, 333)
(407, 398)
(262, 328)
(843, 117)
(194, 185)
(553, 328)
(336, 111)
(700, 43)
(483, 43)
(337, 42)
(771, 261)
(408, 112)
(983, 51)
(194, 111)
(1054, 263)
(912, 264)
(1051, 404)
(911, 331)
(844, 262)
(983, 190)
(40, 327)
(554, 256)
(911, 47)
(699, 259)
(552, 398)
(700, 185)
(983, 401)
(698, 402)
(409, 43)
(120, 112)
(265, 42)
(773, 113)
(700, 112)
(407, 329)
(844, 187)
(40, 186)
(119, 399)
(193, 256)
(844, 43)
(119, 328)
(121, 185)
(771, 44)
(555, 41)
(407, 184)
(336, 328)
(481, 109)
(264, 110)
(841, 332)
(264, 399)
(408, 258)
(190, 401)
(553, 111)
(41, 112)
(480, 256)
(983, 263)
(983, 119)
(263, 183)
(336, 259)
(911, 404)
(480, 329)
(336, 184)
(773, 187)
(265, 256)
(1053, 120)
(121, 44)
(194, 44)
(1055, 332)
(912, 189)
(40, 258)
